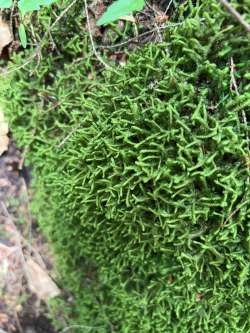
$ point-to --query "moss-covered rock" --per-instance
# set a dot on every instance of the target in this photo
(136, 173)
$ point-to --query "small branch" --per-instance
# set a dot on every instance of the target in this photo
(68, 136)
(92, 40)
(168, 6)
(72, 327)
(234, 88)
(235, 14)
(233, 213)
(135, 39)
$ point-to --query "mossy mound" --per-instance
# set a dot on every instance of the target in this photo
(142, 182)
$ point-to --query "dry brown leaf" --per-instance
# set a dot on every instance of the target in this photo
(4, 140)
(5, 34)
(40, 282)
(161, 18)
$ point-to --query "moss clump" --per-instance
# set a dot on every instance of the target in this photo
(135, 175)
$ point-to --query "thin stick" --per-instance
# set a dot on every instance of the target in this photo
(135, 39)
(159, 32)
(92, 40)
(233, 213)
(27, 213)
(234, 87)
(156, 12)
(153, 9)
(169, 4)
(68, 136)
(72, 327)
(235, 14)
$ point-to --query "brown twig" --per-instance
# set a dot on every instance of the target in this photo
(234, 87)
(168, 6)
(92, 40)
(233, 213)
(235, 14)
(68, 136)
(135, 39)
(72, 327)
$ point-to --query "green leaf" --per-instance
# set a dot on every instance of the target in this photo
(22, 35)
(5, 4)
(46, 2)
(120, 8)
(26, 6)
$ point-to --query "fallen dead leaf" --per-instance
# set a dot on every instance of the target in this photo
(4, 140)
(39, 282)
(5, 34)
(161, 18)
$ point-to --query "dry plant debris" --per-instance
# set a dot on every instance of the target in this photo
(39, 281)
(11, 271)
(20, 307)
(4, 140)
(16, 266)
(16, 262)
(5, 34)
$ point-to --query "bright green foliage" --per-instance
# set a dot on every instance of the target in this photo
(136, 173)
(22, 35)
(5, 4)
(26, 6)
(120, 8)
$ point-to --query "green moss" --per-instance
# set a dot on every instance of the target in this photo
(136, 173)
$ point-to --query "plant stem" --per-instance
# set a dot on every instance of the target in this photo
(235, 14)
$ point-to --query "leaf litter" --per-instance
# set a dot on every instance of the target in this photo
(5, 34)
(25, 260)
(4, 140)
